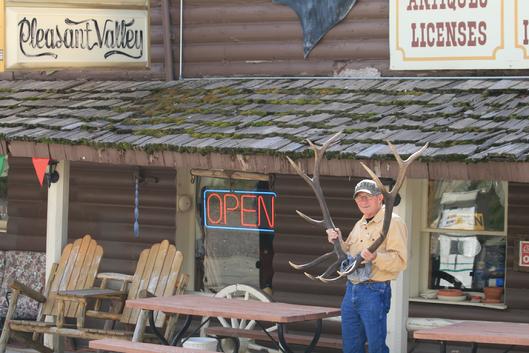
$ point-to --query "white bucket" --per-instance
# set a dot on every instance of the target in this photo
(204, 343)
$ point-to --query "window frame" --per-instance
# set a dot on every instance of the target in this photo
(421, 246)
(3, 222)
(202, 231)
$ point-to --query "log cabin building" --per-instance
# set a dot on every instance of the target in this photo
(227, 96)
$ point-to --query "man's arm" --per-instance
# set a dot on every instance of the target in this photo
(395, 257)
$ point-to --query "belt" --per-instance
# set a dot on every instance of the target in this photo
(371, 281)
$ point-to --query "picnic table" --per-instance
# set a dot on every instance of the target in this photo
(198, 305)
(475, 332)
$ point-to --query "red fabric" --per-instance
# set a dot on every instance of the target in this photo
(40, 165)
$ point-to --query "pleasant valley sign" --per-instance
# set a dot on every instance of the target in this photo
(75, 37)
(459, 34)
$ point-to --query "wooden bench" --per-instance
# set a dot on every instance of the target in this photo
(115, 345)
(475, 332)
(323, 342)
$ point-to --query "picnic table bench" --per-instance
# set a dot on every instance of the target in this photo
(476, 332)
(115, 345)
(291, 338)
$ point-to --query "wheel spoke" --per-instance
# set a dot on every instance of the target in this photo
(240, 292)
(223, 322)
(250, 325)
(234, 323)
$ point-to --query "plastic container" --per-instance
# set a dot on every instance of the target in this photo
(204, 343)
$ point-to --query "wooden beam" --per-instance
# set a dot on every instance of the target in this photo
(167, 40)
(397, 338)
(185, 221)
(227, 174)
(264, 164)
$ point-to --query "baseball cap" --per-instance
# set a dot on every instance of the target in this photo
(368, 186)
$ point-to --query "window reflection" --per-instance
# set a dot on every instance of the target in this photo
(470, 262)
(467, 205)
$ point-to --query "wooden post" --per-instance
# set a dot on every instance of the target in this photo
(167, 40)
(185, 222)
(140, 326)
(397, 339)
(57, 230)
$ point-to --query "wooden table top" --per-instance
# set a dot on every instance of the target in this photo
(509, 333)
(190, 304)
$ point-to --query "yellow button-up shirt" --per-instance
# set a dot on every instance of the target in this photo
(392, 254)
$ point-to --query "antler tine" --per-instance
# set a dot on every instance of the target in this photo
(403, 165)
(299, 170)
(319, 151)
(309, 219)
(318, 260)
(331, 269)
(331, 279)
(376, 179)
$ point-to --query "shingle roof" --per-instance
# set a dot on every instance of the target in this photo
(464, 120)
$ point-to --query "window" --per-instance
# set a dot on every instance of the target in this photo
(235, 233)
(466, 229)
(4, 169)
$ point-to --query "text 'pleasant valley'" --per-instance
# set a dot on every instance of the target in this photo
(112, 36)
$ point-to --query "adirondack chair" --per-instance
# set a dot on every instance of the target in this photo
(157, 274)
(76, 269)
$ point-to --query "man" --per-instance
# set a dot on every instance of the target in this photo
(368, 295)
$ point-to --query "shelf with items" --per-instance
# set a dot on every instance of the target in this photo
(500, 306)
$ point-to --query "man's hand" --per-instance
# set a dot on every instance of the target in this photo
(368, 256)
(333, 234)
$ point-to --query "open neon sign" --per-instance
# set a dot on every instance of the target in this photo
(239, 210)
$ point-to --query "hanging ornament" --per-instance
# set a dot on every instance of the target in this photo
(136, 206)
(40, 165)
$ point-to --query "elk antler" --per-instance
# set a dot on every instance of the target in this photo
(389, 201)
(327, 222)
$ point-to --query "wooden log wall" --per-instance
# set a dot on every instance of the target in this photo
(27, 208)
(517, 283)
(257, 37)
(101, 204)
(250, 38)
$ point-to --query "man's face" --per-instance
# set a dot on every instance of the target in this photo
(368, 204)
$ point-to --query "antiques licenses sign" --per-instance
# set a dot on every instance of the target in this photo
(76, 37)
(523, 259)
(459, 34)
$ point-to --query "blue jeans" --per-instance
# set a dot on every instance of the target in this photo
(364, 312)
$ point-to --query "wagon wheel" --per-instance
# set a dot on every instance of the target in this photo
(239, 292)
